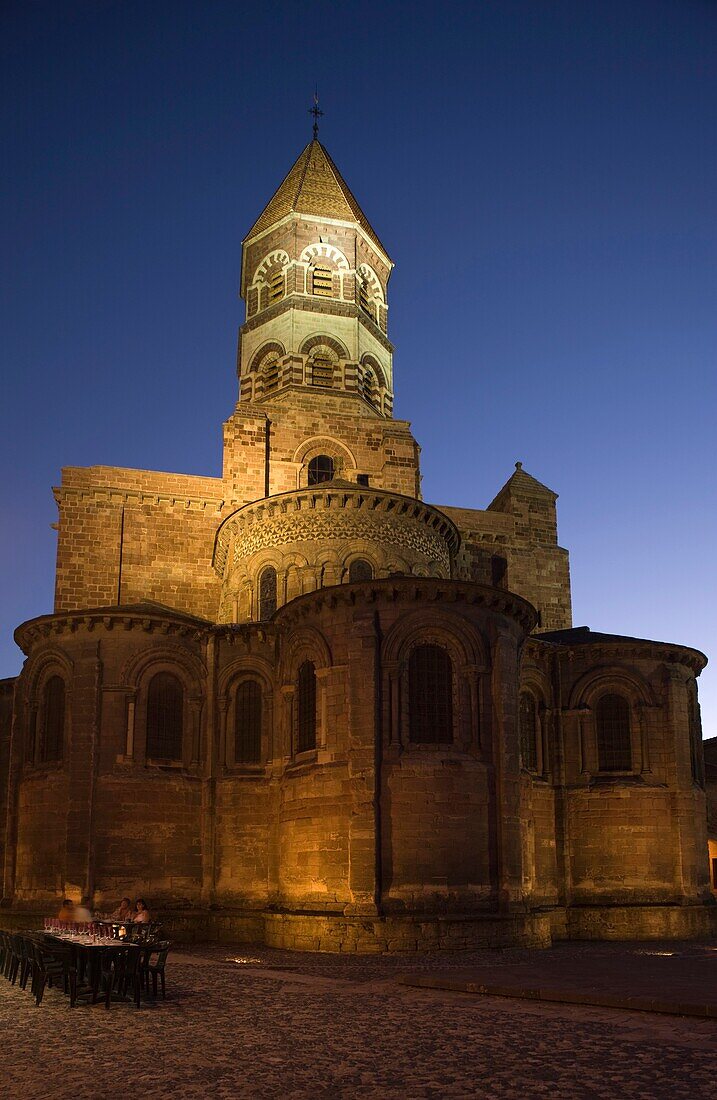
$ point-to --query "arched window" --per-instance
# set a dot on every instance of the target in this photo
(366, 297)
(270, 373)
(528, 732)
(322, 281)
(276, 285)
(247, 723)
(368, 387)
(612, 719)
(360, 570)
(306, 708)
(53, 719)
(267, 593)
(321, 468)
(430, 695)
(322, 371)
(165, 706)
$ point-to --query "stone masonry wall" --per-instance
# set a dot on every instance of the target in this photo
(129, 535)
(537, 568)
(7, 693)
(301, 426)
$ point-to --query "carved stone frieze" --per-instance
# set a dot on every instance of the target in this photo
(321, 526)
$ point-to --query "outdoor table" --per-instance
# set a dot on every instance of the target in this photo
(88, 953)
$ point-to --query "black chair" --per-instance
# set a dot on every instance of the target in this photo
(120, 972)
(156, 970)
(15, 958)
(130, 974)
(53, 965)
(6, 949)
(27, 960)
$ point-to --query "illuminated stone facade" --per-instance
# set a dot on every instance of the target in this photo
(298, 703)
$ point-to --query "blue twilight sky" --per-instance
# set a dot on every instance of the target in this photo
(543, 174)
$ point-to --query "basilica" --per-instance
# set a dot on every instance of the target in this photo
(298, 704)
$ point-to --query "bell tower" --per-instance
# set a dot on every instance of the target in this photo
(315, 363)
(314, 280)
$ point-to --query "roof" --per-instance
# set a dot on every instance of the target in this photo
(315, 186)
(524, 482)
(583, 635)
(710, 750)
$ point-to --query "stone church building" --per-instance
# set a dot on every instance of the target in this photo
(296, 703)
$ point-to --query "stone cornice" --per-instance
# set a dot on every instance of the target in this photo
(110, 495)
(425, 590)
(253, 238)
(376, 502)
(149, 620)
(311, 303)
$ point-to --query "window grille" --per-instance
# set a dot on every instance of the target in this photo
(271, 376)
(360, 570)
(276, 285)
(612, 717)
(368, 387)
(365, 299)
(430, 695)
(247, 729)
(53, 725)
(321, 468)
(165, 706)
(267, 592)
(322, 372)
(322, 281)
(306, 708)
(528, 732)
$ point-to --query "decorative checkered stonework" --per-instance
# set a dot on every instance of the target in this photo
(337, 513)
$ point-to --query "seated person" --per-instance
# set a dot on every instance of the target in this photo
(67, 910)
(124, 911)
(141, 914)
(82, 911)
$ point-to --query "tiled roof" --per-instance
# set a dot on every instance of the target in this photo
(314, 185)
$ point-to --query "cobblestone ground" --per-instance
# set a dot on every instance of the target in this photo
(251, 1022)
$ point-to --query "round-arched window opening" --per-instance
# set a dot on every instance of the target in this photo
(321, 468)
(614, 745)
(267, 593)
(360, 570)
(528, 731)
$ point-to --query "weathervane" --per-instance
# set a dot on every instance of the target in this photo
(316, 113)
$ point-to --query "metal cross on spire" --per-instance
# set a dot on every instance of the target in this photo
(316, 113)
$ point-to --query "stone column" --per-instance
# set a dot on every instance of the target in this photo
(82, 749)
(208, 760)
(20, 716)
(506, 757)
(364, 752)
(688, 801)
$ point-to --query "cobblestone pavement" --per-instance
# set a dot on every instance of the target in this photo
(251, 1022)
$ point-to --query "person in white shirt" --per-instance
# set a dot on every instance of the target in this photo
(82, 911)
(141, 915)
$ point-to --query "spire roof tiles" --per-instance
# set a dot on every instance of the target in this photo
(315, 186)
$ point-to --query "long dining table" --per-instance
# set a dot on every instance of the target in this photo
(88, 953)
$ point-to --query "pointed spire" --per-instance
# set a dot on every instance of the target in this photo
(520, 483)
(314, 186)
